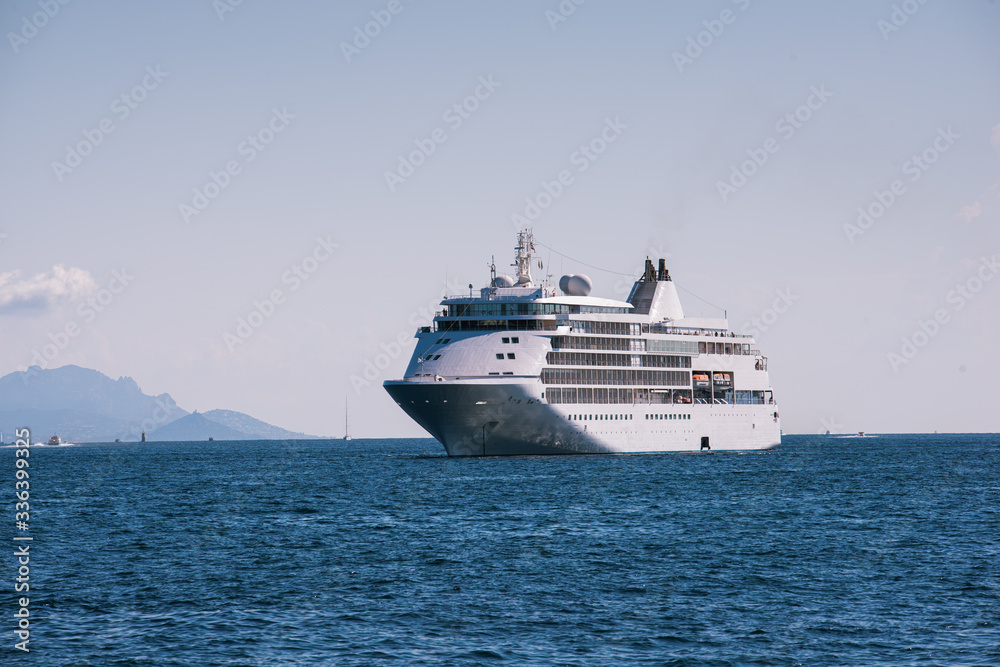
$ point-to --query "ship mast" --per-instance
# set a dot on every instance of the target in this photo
(522, 257)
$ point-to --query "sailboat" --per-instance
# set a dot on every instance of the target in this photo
(347, 432)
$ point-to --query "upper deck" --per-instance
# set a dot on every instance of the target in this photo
(584, 349)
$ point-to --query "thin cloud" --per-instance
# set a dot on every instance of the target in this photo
(968, 213)
(43, 290)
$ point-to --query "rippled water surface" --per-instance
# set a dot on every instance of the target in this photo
(825, 551)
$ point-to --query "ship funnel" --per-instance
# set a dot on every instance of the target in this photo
(650, 274)
(655, 293)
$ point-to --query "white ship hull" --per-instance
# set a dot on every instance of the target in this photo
(473, 419)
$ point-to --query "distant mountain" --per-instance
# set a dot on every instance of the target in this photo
(221, 425)
(82, 390)
(252, 428)
(84, 405)
(194, 427)
(81, 405)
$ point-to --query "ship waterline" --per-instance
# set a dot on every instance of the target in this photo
(520, 370)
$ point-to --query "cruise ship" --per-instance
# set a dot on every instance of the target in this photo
(524, 369)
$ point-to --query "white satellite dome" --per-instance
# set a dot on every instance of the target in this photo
(576, 284)
(503, 281)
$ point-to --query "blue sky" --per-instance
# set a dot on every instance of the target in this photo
(357, 263)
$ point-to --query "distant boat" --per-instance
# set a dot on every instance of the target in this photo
(55, 440)
(861, 434)
(347, 432)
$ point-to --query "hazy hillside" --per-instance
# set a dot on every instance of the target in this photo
(84, 405)
(221, 425)
(82, 390)
(81, 405)
(253, 427)
(194, 427)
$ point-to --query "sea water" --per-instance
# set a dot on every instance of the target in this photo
(824, 551)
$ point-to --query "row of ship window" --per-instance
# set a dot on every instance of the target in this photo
(625, 344)
(631, 396)
(626, 417)
(616, 377)
(524, 324)
(724, 348)
(516, 308)
(444, 326)
(579, 418)
(502, 309)
(582, 343)
(612, 328)
(613, 395)
(598, 359)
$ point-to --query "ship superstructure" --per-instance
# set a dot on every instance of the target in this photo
(523, 369)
